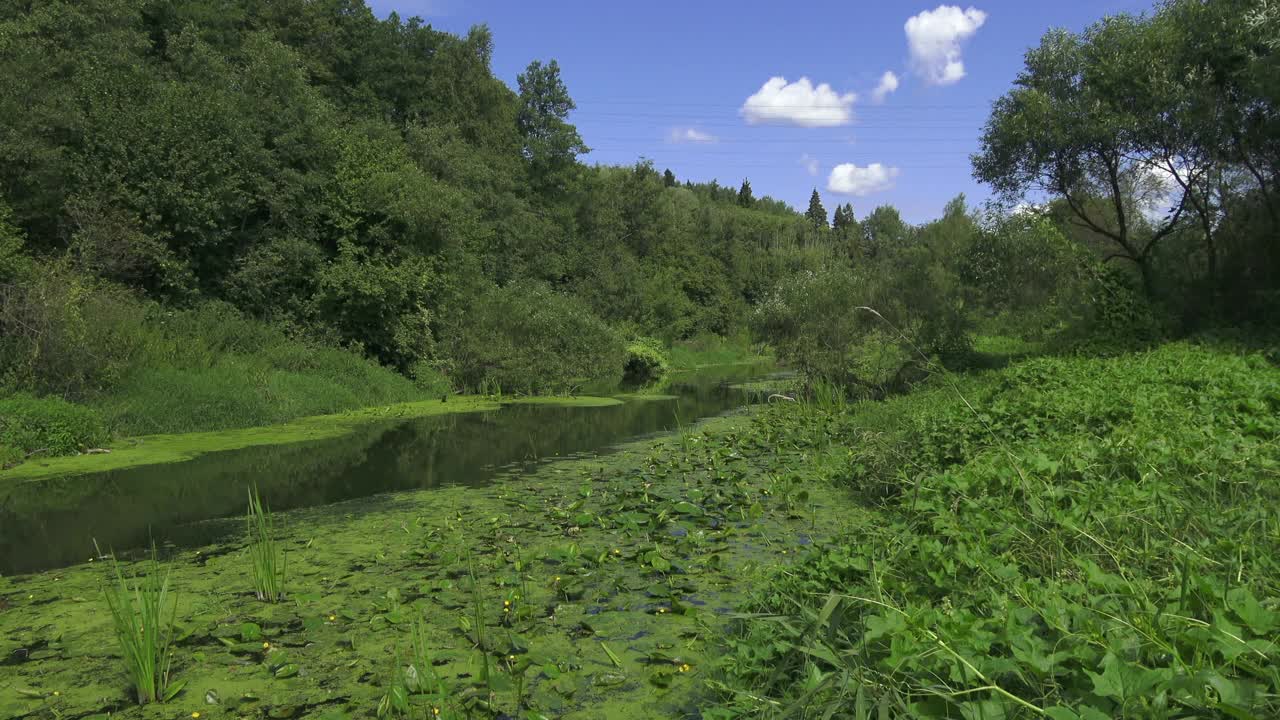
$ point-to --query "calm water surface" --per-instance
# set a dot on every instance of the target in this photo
(54, 523)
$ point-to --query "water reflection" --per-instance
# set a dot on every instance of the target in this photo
(53, 523)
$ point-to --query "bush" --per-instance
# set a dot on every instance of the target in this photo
(62, 334)
(49, 426)
(527, 338)
(646, 361)
(817, 322)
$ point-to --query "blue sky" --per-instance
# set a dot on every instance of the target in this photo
(671, 81)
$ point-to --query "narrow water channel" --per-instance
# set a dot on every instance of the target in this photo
(55, 522)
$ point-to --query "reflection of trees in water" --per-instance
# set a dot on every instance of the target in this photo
(53, 522)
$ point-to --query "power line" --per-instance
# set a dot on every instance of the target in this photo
(783, 141)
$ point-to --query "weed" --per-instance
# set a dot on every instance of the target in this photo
(268, 562)
(142, 614)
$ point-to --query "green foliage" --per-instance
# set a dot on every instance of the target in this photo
(46, 426)
(868, 330)
(1023, 274)
(150, 370)
(646, 361)
(1137, 113)
(142, 615)
(1071, 538)
(816, 214)
(66, 335)
(13, 263)
(528, 338)
(551, 144)
(267, 562)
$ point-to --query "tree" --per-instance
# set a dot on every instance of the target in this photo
(744, 194)
(668, 178)
(551, 144)
(816, 214)
(1064, 130)
(843, 220)
(883, 232)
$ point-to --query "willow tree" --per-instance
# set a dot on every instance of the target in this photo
(1063, 131)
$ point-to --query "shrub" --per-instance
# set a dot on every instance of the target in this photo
(527, 338)
(47, 425)
(646, 361)
(62, 334)
(815, 322)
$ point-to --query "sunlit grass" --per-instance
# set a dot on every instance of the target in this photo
(267, 560)
(142, 615)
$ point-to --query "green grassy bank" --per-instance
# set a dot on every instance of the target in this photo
(1064, 538)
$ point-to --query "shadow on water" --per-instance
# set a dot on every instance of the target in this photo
(53, 523)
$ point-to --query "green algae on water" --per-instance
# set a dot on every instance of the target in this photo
(643, 550)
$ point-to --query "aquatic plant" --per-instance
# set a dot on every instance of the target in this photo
(142, 615)
(267, 561)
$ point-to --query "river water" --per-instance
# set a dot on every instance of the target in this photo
(56, 522)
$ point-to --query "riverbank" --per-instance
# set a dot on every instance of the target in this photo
(1065, 537)
(161, 449)
(604, 587)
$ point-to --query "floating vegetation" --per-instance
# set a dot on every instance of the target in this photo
(513, 587)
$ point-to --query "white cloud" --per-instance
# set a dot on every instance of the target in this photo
(888, 83)
(810, 164)
(849, 179)
(799, 103)
(689, 135)
(934, 37)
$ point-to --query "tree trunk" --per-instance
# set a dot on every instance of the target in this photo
(1144, 268)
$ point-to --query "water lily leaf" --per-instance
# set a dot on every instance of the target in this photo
(250, 632)
(286, 671)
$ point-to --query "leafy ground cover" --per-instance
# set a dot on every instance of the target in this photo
(1065, 538)
(594, 588)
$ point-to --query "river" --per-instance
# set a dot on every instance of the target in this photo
(56, 522)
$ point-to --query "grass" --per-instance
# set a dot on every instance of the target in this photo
(1065, 538)
(709, 350)
(142, 614)
(267, 561)
(45, 427)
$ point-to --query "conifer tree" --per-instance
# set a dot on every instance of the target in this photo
(816, 213)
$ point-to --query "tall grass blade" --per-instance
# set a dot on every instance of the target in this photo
(142, 615)
(267, 560)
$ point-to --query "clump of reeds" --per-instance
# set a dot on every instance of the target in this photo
(266, 558)
(142, 613)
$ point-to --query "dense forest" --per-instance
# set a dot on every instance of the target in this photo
(228, 204)
(255, 207)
